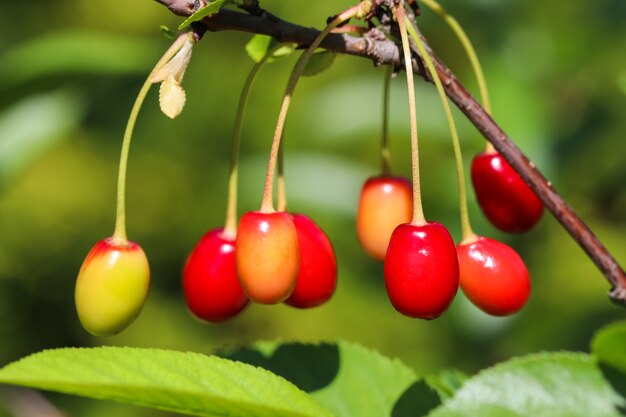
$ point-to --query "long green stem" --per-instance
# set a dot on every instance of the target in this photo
(466, 227)
(120, 218)
(267, 206)
(230, 226)
(471, 54)
(385, 155)
(418, 211)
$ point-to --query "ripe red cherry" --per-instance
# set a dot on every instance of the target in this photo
(507, 201)
(317, 277)
(112, 286)
(493, 276)
(385, 203)
(212, 290)
(421, 270)
(267, 256)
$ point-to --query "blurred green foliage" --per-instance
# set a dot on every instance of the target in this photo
(69, 73)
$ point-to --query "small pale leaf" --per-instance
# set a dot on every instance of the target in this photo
(208, 10)
(172, 97)
(176, 66)
(319, 62)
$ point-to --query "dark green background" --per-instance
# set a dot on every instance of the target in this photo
(69, 72)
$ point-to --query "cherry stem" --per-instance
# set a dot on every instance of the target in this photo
(385, 155)
(418, 211)
(471, 54)
(281, 185)
(466, 227)
(230, 226)
(119, 233)
(267, 205)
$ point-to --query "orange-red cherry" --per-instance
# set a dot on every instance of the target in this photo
(421, 270)
(267, 256)
(493, 276)
(385, 203)
(317, 277)
(507, 201)
(112, 286)
(210, 285)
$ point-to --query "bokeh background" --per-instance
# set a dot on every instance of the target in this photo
(69, 73)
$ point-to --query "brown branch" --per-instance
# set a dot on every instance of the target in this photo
(376, 47)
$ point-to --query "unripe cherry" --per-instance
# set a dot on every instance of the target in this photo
(212, 290)
(317, 276)
(507, 201)
(267, 256)
(493, 276)
(421, 270)
(385, 203)
(112, 286)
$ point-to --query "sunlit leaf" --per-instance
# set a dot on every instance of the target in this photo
(187, 383)
(546, 385)
(208, 10)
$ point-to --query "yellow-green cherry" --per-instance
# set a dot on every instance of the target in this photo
(112, 286)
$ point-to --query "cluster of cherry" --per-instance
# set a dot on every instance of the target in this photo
(273, 256)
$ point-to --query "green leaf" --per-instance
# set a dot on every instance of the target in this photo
(609, 346)
(260, 45)
(76, 52)
(319, 62)
(546, 385)
(182, 382)
(33, 125)
(346, 378)
(207, 10)
(447, 382)
(167, 32)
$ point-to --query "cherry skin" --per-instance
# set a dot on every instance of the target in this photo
(317, 277)
(112, 286)
(421, 270)
(493, 276)
(267, 256)
(385, 203)
(507, 201)
(210, 284)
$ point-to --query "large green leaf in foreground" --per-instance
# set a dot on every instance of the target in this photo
(188, 383)
(545, 385)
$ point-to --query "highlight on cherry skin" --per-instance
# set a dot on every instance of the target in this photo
(493, 276)
(112, 286)
(385, 202)
(317, 276)
(421, 270)
(267, 256)
(210, 284)
(504, 197)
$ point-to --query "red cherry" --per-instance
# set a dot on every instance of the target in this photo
(421, 270)
(385, 203)
(267, 256)
(507, 201)
(317, 277)
(493, 276)
(212, 290)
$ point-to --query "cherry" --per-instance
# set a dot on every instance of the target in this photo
(317, 277)
(507, 201)
(493, 276)
(112, 286)
(421, 270)
(212, 290)
(267, 256)
(385, 203)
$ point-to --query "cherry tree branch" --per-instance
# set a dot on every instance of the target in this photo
(374, 45)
